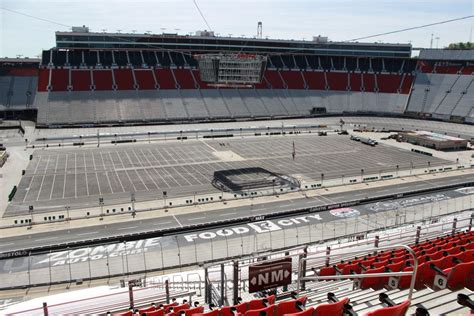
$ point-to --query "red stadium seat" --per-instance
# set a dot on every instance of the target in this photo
(166, 307)
(467, 256)
(225, 311)
(375, 283)
(397, 310)
(178, 308)
(354, 267)
(290, 307)
(256, 304)
(214, 312)
(460, 276)
(159, 312)
(454, 250)
(242, 307)
(307, 312)
(129, 313)
(326, 271)
(435, 256)
(269, 311)
(333, 309)
(146, 310)
(381, 264)
(272, 299)
(404, 281)
(194, 310)
(396, 266)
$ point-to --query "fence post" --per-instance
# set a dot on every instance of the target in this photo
(45, 309)
(303, 273)
(455, 222)
(418, 233)
(285, 287)
(236, 282)
(207, 297)
(328, 252)
(130, 294)
(222, 284)
(376, 242)
(167, 290)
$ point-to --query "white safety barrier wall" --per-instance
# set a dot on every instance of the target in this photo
(196, 248)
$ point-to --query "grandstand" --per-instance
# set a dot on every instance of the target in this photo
(364, 277)
(79, 86)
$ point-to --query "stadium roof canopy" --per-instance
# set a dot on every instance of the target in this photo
(447, 54)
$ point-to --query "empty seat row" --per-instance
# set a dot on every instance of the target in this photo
(445, 259)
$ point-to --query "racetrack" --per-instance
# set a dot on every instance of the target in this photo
(213, 244)
(78, 177)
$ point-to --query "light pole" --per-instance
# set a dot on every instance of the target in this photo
(132, 199)
(30, 209)
(67, 213)
(164, 197)
(101, 203)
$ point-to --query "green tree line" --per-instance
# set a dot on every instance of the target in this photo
(461, 45)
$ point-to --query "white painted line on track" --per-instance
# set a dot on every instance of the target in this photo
(47, 238)
(87, 233)
(196, 218)
(177, 221)
(225, 214)
(124, 228)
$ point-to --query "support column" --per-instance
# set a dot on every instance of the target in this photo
(207, 296)
(222, 284)
(285, 287)
(167, 290)
(418, 233)
(376, 243)
(235, 292)
(130, 295)
(303, 273)
(328, 252)
(455, 223)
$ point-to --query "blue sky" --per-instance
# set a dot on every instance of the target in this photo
(297, 19)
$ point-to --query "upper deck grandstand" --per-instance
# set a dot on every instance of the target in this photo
(255, 176)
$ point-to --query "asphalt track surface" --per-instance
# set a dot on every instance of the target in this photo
(218, 216)
(57, 178)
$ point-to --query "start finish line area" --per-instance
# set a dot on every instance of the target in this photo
(218, 244)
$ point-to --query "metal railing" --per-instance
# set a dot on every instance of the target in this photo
(302, 278)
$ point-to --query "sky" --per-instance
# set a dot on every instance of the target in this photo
(292, 19)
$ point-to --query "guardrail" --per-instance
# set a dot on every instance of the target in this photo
(413, 273)
(221, 223)
(114, 302)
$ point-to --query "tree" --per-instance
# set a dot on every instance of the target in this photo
(461, 45)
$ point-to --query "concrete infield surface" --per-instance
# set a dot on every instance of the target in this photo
(78, 177)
